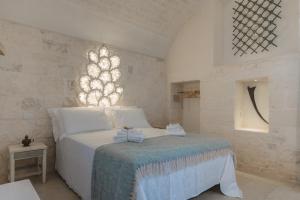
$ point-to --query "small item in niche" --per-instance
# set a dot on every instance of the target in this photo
(26, 141)
(251, 91)
(190, 94)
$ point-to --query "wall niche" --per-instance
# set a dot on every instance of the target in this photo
(252, 105)
(185, 105)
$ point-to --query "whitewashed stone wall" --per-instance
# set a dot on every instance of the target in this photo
(41, 70)
(275, 154)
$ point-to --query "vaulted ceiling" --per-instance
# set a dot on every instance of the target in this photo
(145, 26)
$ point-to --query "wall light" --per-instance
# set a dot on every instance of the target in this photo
(100, 85)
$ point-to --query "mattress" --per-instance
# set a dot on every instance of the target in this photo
(74, 161)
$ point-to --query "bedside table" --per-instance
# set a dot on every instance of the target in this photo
(18, 152)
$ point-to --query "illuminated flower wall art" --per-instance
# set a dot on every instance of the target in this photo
(100, 85)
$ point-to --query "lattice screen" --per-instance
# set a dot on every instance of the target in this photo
(255, 25)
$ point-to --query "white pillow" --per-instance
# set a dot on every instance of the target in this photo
(133, 117)
(83, 120)
(57, 121)
(109, 111)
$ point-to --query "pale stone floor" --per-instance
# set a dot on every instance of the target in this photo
(253, 187)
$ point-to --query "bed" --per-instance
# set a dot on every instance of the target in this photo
(74, 162)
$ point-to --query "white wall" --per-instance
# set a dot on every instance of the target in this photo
(190, 56)
(191, 115)
(142, 26)
(41, 70)
(199, 53)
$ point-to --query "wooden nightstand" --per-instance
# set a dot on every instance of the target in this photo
(18, 152)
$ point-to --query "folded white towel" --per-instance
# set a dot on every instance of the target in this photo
(129, 135)
(175, 129)
(120, 139)
(121, 136)
(135, 136)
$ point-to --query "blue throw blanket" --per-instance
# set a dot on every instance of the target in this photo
(115, 165)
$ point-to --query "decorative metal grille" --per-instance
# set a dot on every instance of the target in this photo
(254, 25)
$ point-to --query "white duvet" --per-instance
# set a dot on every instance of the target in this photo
(74, 161)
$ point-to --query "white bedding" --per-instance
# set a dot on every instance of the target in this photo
(74, 160)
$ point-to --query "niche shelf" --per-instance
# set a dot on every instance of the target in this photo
(252, 105)
(190, 93)
(185, 90)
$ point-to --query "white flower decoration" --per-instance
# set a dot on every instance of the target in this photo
(100, 86)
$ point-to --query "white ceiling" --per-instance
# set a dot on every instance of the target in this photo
(145, 26)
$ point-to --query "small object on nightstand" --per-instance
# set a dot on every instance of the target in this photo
(18, 152)
(26, 141)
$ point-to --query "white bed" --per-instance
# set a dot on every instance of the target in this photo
(74, 161)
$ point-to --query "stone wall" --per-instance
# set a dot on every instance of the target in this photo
(275, 154)
(41, 70)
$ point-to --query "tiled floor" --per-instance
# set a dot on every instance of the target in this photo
(254, 188)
